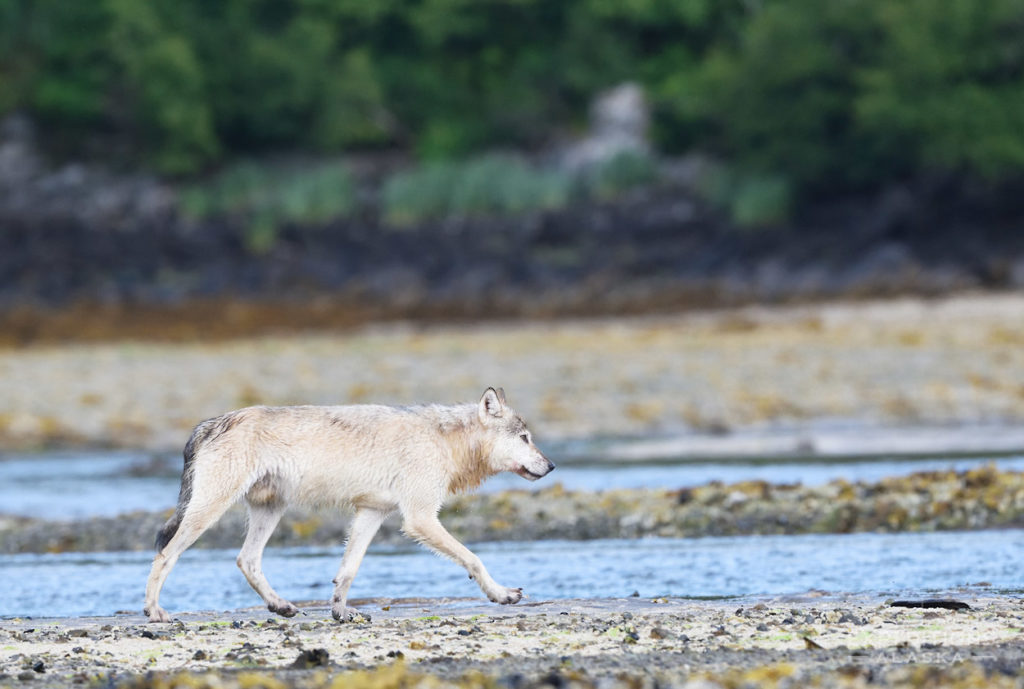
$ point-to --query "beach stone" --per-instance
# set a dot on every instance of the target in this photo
(511, 681)
(660, 633)
(317, 657)
(850, 618)
(735, 499)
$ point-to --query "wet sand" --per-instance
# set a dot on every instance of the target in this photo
(841, 640)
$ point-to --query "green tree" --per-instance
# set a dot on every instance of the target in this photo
(781, 100)
(163, 80)
(949, 85)
(73, 66)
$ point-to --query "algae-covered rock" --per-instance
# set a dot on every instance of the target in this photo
(926, 501)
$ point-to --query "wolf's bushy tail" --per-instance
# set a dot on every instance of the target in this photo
(166, 533)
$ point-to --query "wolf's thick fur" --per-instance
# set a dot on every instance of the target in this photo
(372, 458)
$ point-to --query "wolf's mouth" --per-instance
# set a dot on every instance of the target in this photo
(527, 474)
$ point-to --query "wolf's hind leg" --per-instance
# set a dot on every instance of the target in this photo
(364, 527)
(200, 515)
(263, 519)
(428, 530)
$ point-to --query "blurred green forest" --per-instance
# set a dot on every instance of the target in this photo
(807, 95)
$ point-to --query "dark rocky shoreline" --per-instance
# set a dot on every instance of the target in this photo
(655, 249)
(113, 247)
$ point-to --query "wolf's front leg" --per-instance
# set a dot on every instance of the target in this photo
(364, 527)
(429, 531)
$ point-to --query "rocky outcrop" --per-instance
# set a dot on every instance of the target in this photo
(619, 120)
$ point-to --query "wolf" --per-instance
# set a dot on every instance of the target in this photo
(374, 459)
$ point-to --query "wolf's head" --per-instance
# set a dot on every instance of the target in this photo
(513, 448)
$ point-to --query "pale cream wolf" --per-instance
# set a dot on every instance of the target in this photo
(372, 458)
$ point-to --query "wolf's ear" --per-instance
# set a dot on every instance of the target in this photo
(491, 404)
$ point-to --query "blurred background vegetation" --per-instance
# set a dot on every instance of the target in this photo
(798, 97)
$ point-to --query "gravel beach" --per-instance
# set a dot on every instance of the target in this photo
(846, 641)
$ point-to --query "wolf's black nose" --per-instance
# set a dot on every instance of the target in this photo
(551, 466)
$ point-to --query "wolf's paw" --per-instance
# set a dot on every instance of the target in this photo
(157, 614)
(283, 608)
(506, 596)
(343, 613)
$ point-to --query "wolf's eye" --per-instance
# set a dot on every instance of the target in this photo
(525, 438)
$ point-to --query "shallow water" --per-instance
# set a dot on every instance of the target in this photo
(887, 564)
(76, 485)
(609, 476)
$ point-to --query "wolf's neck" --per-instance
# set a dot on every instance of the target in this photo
(469, 448)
